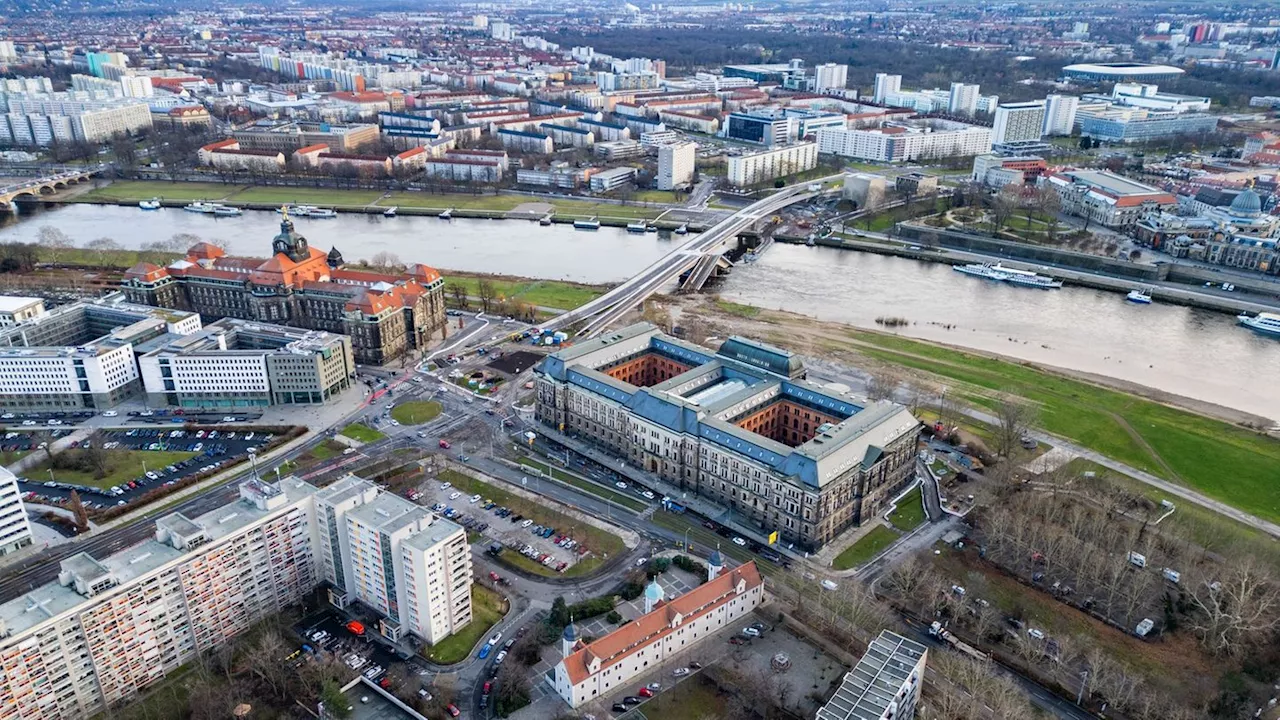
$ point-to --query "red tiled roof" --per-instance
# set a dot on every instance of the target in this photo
(205, 251)
(146, 272)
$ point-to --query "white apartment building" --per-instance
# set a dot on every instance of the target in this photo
(667, 629)
(906, 141)
(766, 165)
(15, 529)
(111, 627)
(963, 99)
(136, 86)
(1018, 122)
(81, 355)
(886, 85)
(884, 685)
(7, 50)
(830, 76)
(676, 165)
(1060, 114)
(87, 119)
(15, 310)
(396, 557)
(458, 170)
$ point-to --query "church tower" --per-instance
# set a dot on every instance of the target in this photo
(290, 242)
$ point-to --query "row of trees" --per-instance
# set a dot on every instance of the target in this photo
(490, 299)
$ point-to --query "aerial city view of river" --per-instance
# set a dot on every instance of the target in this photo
(1195, 353)
(502, 247)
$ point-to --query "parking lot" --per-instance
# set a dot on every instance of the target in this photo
(210, 450)
(546, 545)
(175, 415)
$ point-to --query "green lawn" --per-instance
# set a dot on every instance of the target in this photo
(733, 308)
(326, 450)
(503, 203)
(655, 196)
(305, 196)
(691, 699)
(543, 293)
(123, 466)
(136, 190)
(416, 412)
(603, 544)
(487, 608)
(585, 485)
(867, 547)
(910, 512)
(363, 433)
(1228, 463)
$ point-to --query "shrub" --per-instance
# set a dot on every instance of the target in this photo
(613, 617)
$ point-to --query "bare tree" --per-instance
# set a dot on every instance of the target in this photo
(54, 243)
(78, 512)
(458, 292)
(486, 292)
(1003, 205)
(102, 248)
(1013, 420)
(881, 385)
(1238, 610)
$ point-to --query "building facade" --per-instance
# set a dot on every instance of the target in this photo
(753, 168)
(1108, 199)
(15, 529)
(905, 141)
(1060, 114)
(1018, 122)
(588, 671)
(739, 426)
(676, 165)
(884, 685)
(16, 310)
(385, 315)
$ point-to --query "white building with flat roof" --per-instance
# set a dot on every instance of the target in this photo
(1018, 122)
(676, 164)
(884, 685)
(15, 529)
(758, 167)
(1060, 114)
(15, 310)
(886, 84)
(904, 141)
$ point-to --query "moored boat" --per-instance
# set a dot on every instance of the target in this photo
(682, 230)
(1142, 296)
(1265, 323)
(226, 210)
(389, 212)
(636, 227)
(1013, 276)
(592, 224)
(446, 215)
(152, 204)
(200, 207)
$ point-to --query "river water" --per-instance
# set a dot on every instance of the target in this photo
(504, 247)
(1188, 352)
(1195, 353)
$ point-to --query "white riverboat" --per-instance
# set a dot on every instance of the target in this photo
(1264, 323)
(227, 210)
(200, 207)
(152, 204)
(1142, 296)
(1013, 276)
(592, 224)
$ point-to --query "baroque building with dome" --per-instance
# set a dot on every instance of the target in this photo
(1239, 235)
(386, 315)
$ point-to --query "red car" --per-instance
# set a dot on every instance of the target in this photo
(453, 710)
(494, 576)
(488, 686)
(444, 444)
(645, 692)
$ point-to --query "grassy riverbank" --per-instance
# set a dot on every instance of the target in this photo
(129, 191)
(1227, 462)
(559, 294)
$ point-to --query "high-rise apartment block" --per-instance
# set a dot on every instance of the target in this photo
(963, 99)
(1060, 114)
(676, 164)
(830, 77)
(111, 627)
(1018, 122)
(886, 85)
(885, 684)
(15, 529)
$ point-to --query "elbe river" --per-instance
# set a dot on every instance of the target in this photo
(1189, 352)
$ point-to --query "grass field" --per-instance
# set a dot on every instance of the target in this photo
(733, 308)
(363, 433)
(867, 547)
(603, 544)
(543, 293)
(305, 196)
(1228, 463)
(654, 196)
(504, 203)
(487, 608)
(123, 466)
(910, 512)
(416, 412)
(587, 486)
(136, 190)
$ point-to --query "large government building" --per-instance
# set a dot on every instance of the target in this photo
(385, 315)
(740, 426)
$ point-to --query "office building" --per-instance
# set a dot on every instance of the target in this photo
(1149, 97)
(467, 171)
(385, 314)
(1108, 199)
(234, 363)
(907, 140)
(290, 136)
(395, 557)
(1060, 114)
(526, 142)
(668, 628)
(1136, 125)
(764, 127)
(81, 355)
(758, 167)
(740, 426)
(886, 85)
(607, 180)
(963, 99)
(15, 529)
(16, 310)
(884, 685)
(830, 76)
(1018, 122)
(113, 626)
(998, 171)
(676, 165)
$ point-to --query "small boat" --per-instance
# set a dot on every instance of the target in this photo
(1142, 296)
(651, 228)
(636, 227)
(322, 213)
(1264, 323)
(227, 210)
(592, 224)
(546, 220)
(682, 230)
(389, 212)
(446, 215)
(200, 207)
(152, 204)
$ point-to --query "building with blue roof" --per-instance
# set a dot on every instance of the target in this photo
(740, 425)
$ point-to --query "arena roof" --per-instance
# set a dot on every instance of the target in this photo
(1122, 71)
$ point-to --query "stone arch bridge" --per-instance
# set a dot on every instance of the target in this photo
(34, 188)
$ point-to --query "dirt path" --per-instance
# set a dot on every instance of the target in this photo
(1142, 443)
